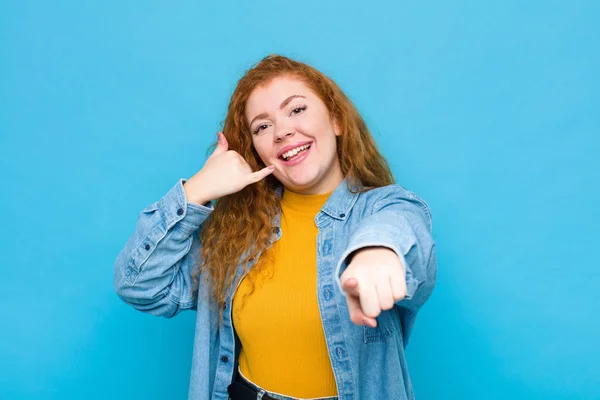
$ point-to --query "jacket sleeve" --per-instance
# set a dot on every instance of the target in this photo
(400, 221)
(152, 273)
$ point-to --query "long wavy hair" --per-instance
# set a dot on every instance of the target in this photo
(239, 228)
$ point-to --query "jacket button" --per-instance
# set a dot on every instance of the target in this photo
(276, 230)
(147, 247)
(342, 215)
(180, 211)
(224, 358)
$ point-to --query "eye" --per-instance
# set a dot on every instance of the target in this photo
(259, 128)
(298, 110)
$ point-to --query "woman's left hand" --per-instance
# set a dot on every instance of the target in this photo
(373, 281)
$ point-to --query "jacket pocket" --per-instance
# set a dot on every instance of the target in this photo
(384, 329)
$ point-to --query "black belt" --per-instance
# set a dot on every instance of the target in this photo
(240, 390)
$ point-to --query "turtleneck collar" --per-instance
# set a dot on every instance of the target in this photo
(304, 203)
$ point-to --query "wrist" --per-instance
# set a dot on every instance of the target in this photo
(197, 198)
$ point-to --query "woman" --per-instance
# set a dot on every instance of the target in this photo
(308, 272)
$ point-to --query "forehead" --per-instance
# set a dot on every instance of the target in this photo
(271, 95)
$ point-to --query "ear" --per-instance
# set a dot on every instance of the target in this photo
(336, 127)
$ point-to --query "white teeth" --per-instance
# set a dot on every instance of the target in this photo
(295, 151)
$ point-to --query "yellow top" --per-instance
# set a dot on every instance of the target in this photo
(278, 323)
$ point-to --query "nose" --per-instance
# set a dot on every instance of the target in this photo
(283, 133)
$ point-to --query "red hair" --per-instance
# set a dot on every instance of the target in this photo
(240, 225)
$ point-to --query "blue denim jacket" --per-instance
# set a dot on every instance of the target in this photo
(153, 274)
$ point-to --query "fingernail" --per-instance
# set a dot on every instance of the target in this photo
(271, 167)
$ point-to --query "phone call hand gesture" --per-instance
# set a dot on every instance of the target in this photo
(225, 172)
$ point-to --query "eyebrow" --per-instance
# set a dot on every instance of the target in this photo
(283, 104)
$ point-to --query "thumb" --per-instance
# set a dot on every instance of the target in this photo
(350, 286)
(222, 145)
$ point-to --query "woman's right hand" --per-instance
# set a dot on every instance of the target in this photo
(225, 172)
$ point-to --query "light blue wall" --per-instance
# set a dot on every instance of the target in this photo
(487, 110)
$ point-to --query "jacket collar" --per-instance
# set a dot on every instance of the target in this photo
(339, 203)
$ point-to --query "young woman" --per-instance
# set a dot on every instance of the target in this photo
(306, 264)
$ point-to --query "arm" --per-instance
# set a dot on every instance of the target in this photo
(401, 222)
(152, 273)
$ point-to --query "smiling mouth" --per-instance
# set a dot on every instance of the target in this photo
(293, 154)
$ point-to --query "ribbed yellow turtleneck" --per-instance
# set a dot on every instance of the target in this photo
(278, 323)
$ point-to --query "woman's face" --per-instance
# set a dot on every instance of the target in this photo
(291, 129)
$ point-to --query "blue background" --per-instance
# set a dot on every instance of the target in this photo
(487, 110)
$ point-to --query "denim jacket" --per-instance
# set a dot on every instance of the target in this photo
(153, 275)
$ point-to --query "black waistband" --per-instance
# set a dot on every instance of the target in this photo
(241, 390)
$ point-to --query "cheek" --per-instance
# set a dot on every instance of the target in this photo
(262, 149)
(322, 128)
